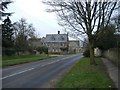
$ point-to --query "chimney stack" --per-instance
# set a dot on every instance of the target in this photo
(58, 32)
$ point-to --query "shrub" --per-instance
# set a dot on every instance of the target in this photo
(31, 51)
(86, 53)
(42, 49)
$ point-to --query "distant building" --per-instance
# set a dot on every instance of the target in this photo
(74, 46)
(57, 43)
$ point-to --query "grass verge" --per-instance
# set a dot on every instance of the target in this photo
(14, 60)
(84, 75)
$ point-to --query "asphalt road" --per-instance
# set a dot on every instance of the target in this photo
(40, 74)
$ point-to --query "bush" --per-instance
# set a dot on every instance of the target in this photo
(31, 51)
(42, 49)
(86, 53)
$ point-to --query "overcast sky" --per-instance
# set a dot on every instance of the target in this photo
(34, 11)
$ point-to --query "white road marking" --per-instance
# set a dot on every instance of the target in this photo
(56, 61)
(43, 65)
(34, 68)
(17, 73)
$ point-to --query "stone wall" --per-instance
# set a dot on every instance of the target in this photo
(113, 54)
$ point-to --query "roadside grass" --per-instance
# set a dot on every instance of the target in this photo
(20, 56)
(84, 75)
(14, 60)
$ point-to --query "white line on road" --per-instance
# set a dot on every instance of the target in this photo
(17, 73)
(34, 68)
(56, 61)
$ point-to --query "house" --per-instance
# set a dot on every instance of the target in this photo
(74, 46)
(57, 43)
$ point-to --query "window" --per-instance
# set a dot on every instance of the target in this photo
(62, 38)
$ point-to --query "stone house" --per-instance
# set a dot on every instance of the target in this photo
(74, 46)
(57, 43)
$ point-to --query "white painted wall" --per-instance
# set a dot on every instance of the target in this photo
(97, 52)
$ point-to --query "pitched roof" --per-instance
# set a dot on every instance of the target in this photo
(56, 38)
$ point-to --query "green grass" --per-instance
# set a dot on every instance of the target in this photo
(18, 57)
(84, 75)
(14, 60)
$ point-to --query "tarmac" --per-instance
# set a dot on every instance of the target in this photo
(112, 71)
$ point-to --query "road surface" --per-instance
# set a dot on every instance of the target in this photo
(40, 74)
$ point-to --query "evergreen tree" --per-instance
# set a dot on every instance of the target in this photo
(3, 6)
(7, 33)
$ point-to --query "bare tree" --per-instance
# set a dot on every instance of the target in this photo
(22, 32)
(87, 17)
(22, 27)
(116, 22)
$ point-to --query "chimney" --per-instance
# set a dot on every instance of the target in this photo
(58, 32)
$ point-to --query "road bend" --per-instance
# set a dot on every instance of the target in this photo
(40, 74)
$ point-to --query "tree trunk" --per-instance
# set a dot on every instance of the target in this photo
(92, 60)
